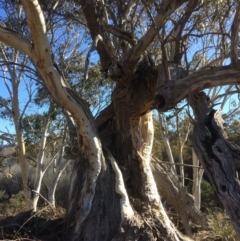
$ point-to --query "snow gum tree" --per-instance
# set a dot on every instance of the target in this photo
(113, 194)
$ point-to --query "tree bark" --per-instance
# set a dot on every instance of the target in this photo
(219, 157)
(14, 111)
(166, 141)
(197, 179)
(40, 158)
(54, 183)
(176, 195)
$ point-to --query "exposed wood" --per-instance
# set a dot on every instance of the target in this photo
(197, 178)
(219, 157)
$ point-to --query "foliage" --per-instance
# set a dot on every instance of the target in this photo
(233, 130)
(209, 198)
(221, 226)
(12, 206)
(10, 180)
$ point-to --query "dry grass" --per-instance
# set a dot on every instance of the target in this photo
(220, 229)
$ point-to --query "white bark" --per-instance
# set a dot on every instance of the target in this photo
(86, 133)
(53, 186)
(40, 158)
(142, 145)
(166, 141)
(182, 175)
(16, 41)
(142, 132)
(14, 111)
(40, 53)
(197, 179)
(126, 209)
(59, 166)
(182, 142)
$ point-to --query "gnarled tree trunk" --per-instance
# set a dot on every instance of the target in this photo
(219, 157)
(126, 204)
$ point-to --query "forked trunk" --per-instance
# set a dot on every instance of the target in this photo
(121, 201)
(54, 182)
(125, 204)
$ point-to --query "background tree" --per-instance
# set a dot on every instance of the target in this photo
(12, 83)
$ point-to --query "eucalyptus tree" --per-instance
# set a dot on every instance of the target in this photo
(12, 76)
(21, 82)
(113, 195)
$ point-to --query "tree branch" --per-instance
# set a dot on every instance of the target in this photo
(120, 33)
(15, 40)
(234, 39)
(167, 8)
(93, 21)
(169, 94)
(177, 31)
(37, 26)
(93, 47)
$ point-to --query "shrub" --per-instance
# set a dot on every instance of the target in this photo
(13, 205)
(221, 226)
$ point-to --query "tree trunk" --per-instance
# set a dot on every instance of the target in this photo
(219, 157)
(62, 164)
(17, 119)
(176, 195)
(40, 167)
(21, 143)
(125, 206)
(103, 203)
(166, 141)
(197, 179)
(180, 151)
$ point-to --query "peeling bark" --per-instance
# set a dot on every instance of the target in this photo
(219, 157)
(126, 209)
(142, 140)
